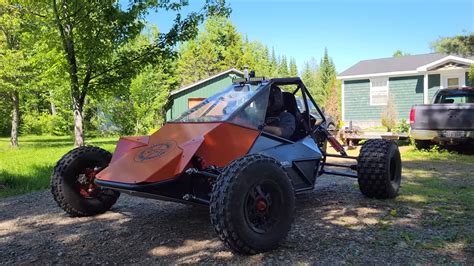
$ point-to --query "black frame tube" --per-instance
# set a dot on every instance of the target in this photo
(340, 173)
(339, 165)
(342, 156)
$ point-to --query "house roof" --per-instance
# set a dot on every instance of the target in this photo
(404, 65)
(391, 64)
(229, 71)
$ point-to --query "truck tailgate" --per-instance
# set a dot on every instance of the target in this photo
(444, 117)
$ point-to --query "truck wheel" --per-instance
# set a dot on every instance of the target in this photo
(72, 182)
(252, 204)
(379, 169)
(422, 144)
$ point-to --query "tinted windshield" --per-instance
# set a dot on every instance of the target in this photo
(220, 106)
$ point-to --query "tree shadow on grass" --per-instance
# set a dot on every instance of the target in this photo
(58, 141)
(334, 223)
(37, 178)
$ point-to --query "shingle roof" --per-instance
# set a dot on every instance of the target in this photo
(391, 64)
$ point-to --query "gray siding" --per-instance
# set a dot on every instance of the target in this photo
(407, 92)
(434, 84)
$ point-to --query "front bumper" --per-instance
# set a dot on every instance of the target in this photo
(420, 134)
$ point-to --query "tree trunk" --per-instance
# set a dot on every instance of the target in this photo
(66, 29)
(15, 96)
(53, 106)
(78, 125)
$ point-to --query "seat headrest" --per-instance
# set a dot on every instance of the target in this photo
(290, 103)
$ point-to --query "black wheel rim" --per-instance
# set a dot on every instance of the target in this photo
(263, 206)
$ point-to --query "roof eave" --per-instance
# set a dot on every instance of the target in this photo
(443, 60)
(373, 75)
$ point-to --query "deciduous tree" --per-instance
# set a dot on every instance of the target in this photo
(462, 45)
(216, 48)
(399, 53)
(16, 52)
(94, 33)
(389, 116)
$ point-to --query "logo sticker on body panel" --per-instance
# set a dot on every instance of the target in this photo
(155, 151)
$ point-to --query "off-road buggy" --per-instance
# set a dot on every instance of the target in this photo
(218, 155)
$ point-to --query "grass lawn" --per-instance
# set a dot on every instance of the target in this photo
(29, 167)
(440, 185)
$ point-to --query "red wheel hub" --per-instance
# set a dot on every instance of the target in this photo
(261, 205)
(87, 188)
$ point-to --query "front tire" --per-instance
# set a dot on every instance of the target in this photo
(379, 169)
(252, 204)
(72, 182)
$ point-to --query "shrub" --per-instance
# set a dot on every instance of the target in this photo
(389, 114)
(34, 123)
(403, 126)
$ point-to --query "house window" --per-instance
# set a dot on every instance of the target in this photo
(453, 82)
(379, 91)
(194, 101)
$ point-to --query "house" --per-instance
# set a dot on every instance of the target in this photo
(191, 95)
(411, 80)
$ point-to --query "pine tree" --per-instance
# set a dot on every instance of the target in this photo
(309, 76)
(326, 76)
(273, 64)
(283, 68)
(293, 68)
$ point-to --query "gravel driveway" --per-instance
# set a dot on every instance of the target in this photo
(334, 224)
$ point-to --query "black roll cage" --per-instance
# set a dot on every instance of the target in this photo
(286, 81)
(311, 130)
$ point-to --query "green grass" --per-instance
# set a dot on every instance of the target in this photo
(29, 167)
(440, 183)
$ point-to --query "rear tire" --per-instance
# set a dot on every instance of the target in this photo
(422, 144)
(69, 184)
(252, 204)
(379, 169)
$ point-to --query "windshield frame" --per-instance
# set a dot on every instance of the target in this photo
(262, 87)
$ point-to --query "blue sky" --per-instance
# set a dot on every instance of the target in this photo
(351, 30)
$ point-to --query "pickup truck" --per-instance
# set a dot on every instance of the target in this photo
(449, 120)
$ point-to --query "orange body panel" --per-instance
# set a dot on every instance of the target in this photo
(167, 153)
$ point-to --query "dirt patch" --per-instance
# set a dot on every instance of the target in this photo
(334, 224)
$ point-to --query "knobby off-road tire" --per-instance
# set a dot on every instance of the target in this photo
(65, 186)
(248, 190)
(379, 169)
